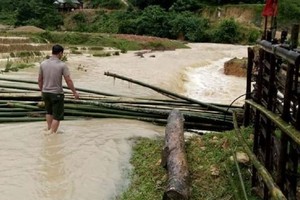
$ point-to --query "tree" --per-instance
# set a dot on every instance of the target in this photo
(189, 26)
(38, 13)
(153, 21)
(289, 10)
(186, 5)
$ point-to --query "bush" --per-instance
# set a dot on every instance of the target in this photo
(253, 36)
(79, 18)
(227, 32)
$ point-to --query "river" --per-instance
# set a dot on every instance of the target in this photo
(90, 159)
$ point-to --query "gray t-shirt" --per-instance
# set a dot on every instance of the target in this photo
(52, 71)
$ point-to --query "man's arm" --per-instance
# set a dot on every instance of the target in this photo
(40, 82)
(70, 84)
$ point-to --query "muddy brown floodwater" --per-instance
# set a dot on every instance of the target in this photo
(90, 159)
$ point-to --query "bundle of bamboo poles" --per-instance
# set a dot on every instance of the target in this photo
(20, 101)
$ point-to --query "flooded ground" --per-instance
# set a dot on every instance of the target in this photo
(90, 159)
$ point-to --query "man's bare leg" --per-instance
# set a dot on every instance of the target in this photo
(54, 125)
(49, 119)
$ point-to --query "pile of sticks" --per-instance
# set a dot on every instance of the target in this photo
(20, 101)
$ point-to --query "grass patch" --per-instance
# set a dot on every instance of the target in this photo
(14, 67)
(96, 48)
(93, 41)
(75, 52)
(148, 177)
(22, 54)
(205, 154)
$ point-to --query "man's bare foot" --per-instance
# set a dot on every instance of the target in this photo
(47, 132)
(59, 132)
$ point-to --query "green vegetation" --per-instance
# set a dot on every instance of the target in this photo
(104, 54)
(289, 13)
(14, 67)
(187, 4)
(105, 40)
(111, 4)
(227, 31)
(213, 173)
(174, 19)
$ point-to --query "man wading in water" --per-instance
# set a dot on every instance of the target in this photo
(50, 83)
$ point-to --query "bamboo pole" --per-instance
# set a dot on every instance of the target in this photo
(93, 109)
(240, 176)
(65, 87)
(107, 115)
(274, 190)
(28, 119)
(11, 109)
(20, 119)
(234, 187)
(282, 125)
(20, 95)
(22, 105)
(19, 87)
(152, 111)
(22, 114)
(168, 93)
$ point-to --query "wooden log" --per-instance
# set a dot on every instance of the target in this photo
(176, 161)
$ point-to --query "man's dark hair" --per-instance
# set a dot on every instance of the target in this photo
(56, 49)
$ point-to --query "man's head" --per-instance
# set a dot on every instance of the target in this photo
(58, 51)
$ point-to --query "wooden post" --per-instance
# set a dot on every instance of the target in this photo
(294, 36)
(257, 99)
(176, 162)
(248, 88)
(286, 117)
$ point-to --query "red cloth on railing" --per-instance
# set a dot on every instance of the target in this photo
(271, 8)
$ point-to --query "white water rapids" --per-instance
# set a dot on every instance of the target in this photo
(90, 160)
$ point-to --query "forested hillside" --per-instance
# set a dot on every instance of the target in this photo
(191, 20)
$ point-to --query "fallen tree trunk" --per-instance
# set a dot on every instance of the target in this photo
(174, 159)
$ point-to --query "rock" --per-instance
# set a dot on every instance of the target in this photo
(214, 170)
(241, 157)
(236, 67)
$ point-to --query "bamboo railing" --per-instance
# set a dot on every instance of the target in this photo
(272, 105)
